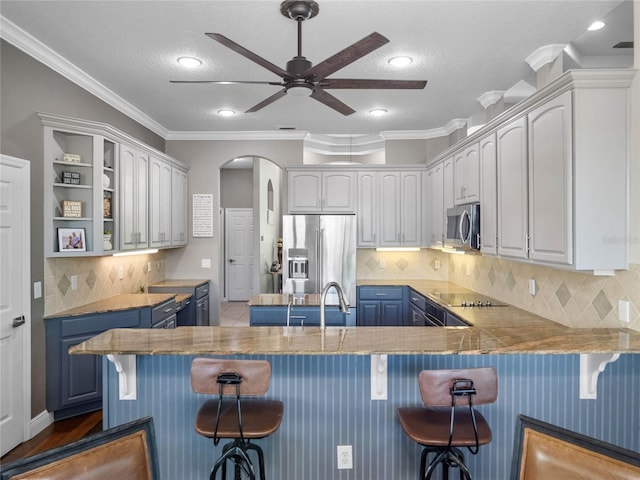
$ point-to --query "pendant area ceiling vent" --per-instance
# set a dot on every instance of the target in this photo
(623, 45)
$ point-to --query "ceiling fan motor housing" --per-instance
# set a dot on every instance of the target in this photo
(298, 65)
(299, 10)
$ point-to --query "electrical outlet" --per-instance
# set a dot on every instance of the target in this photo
(74, 282)
(383, 264)
(120, 272)
(532, 286)
(436, 264)
(148, 267)
(205, 263)
(623, 311)
(345, 457)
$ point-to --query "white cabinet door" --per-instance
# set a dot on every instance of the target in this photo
(179, 202)
(133, 198)
(511, 143)
(410, 209)
(467, 175)
(488, 195)
(550, 182)
(322, 192)
(367, 211)
(305, 190)
(159, 203)
(389, 207)
(447, 185)
(435, 205)
(338, 192)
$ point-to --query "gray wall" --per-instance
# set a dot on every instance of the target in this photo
(405, 152)
(236, 188)
(27, 87)
(205, 159)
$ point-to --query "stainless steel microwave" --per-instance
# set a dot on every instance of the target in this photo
(463, 227)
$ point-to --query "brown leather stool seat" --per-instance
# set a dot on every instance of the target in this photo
(449, 421)
(232, 415)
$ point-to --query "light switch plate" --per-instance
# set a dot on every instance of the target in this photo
(623, 311)
(37, 290)
(532, 286)
(206, 263)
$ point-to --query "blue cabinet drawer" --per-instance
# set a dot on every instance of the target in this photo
(163, 312)
(72, 326)
(380, 293)
(299, 316)
(418, 300)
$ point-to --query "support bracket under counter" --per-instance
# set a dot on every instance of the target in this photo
(591, 365)
(378, 377)
(127, 381)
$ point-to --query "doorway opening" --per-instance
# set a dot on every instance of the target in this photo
(250, 201)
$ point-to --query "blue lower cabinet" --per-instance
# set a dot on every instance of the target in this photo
(383, 306)
(299, 316)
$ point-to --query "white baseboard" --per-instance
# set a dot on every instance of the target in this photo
(40, 422)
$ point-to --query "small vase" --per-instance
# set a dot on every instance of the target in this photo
(106, 242)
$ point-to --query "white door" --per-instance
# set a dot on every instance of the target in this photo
(239, 253)
(15, 311)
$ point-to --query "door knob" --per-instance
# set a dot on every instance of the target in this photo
(231, 260)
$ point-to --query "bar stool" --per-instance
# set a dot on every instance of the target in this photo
(449, 421)
(240, 419)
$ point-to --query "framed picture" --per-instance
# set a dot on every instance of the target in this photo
(72, 240)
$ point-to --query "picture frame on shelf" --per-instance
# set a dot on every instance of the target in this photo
(72, 240)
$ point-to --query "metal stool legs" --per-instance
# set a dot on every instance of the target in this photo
(448, 457)
(237, 452)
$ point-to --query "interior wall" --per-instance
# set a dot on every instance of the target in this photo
(26, 87)
(236, 188)
(406, 152)
(634, 170)
(374, 158)
(269, 223)
(205, 158)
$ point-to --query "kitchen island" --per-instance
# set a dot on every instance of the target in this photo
(324, 380)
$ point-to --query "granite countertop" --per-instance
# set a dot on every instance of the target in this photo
(360, 341)
(508, 316)
(180, 283)
(116, 303)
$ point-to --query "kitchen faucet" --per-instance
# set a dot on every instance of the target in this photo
(344, 306)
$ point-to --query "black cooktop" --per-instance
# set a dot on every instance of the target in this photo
(470, 300)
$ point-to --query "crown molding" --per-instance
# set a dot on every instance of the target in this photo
(239, 135)
(489, 98)
(544, 55)
(344, 144)
(45, 55)
(448, 129)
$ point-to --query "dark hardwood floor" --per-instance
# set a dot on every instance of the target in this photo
(58, 434)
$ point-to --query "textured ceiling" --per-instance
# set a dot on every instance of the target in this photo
(463, 48)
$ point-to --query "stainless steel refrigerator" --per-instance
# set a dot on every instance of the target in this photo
(318, 249)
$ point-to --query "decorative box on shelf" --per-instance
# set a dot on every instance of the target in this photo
(71, 157)
(71, 209)
(71, 178)
(106, 210)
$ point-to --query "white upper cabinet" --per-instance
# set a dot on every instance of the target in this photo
(134, 168)
(389, 208)
(322, 191)
(160, 180)
(511, 142)
(367, 212)
(550, 181)
(399, 204)
(447, 184)
(488, 195)
(434, 203)
(466, 178)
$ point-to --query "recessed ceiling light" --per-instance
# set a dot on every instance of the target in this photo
(378, 112)
(400, 61)
(597, 25)
(189, 62)
(225, 112)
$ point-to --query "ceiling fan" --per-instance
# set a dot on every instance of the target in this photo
(302, 77)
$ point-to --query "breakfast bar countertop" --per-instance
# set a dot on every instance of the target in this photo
(360, 341)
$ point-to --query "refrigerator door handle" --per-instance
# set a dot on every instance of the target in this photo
(318, 257)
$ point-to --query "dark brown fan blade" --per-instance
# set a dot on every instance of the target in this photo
(225, 82)
(331, 101)
(267, 101)
(345, 57)
(345, 83)
(248, 54)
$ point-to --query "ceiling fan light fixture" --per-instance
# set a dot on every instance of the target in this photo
(400, 61)
(189, 62)
(302, 90)
(226, 112)
(597, 25)
(378, 112)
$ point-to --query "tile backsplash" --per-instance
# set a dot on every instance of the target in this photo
(424, 264)
(97, 278)
(570, 298)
